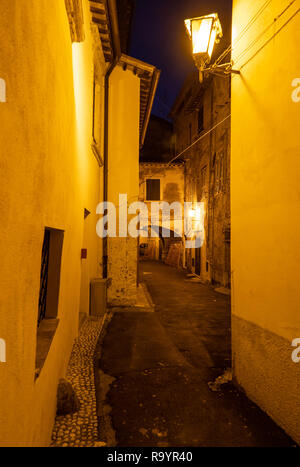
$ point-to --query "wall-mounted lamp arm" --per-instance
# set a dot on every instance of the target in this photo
(223, 71)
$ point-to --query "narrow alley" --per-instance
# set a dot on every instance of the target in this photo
(150, 199)
(156, 367)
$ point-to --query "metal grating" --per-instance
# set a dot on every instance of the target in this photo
(44, 277)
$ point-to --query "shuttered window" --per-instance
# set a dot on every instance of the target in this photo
(153, 189)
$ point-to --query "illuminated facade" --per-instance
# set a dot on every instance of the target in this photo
(265, 206)
(60, 129)
(162, 182)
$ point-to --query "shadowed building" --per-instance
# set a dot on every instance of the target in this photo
(206, 154)
(125, 10)
(159, 141)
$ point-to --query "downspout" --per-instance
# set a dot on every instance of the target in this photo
(185, 199)
(117, 53)
(105, 157)
(212, 194)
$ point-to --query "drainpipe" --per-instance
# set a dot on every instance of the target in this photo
(105, 158)
(113, 16)
(211, 200)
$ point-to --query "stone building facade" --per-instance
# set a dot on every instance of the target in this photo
(162, 182)
(206, 154)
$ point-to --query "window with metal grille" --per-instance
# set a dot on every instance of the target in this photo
(50, 274)
(153, 189)
(219, 173)
(44, 276)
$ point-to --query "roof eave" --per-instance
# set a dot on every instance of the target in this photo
(149, 76)
(153, 90)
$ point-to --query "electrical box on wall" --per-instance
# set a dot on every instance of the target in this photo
(98, 297)
(84, 253)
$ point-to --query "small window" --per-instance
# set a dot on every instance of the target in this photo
(201, 120)
(153, 190)
(50, 274)
(227, 235)
(219, 174)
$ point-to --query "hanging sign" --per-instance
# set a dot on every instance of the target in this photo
(2, 90)
(2, 351)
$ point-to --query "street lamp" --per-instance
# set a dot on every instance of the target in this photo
(205, 32)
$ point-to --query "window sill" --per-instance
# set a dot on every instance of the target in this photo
(45, 335)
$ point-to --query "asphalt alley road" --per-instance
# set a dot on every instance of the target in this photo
(155, 369)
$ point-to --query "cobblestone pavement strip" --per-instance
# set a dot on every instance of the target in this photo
(81, 428)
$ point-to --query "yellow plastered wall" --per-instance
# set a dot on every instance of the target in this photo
(265, 172)
(48, 175)
(123, 178)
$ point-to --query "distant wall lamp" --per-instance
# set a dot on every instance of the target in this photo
(195, 214)
(192, 213)
(205, 32)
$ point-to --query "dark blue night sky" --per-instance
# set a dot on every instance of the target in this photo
(159, 38)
